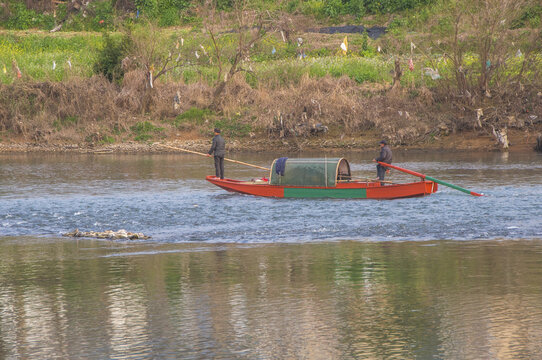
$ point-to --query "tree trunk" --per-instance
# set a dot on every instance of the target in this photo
(397, 75)
(216, 95)
(461, 81)
(147, 100)
(222, 84)
(538, 146)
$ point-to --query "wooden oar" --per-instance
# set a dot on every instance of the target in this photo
(202, 154)
(431, 179)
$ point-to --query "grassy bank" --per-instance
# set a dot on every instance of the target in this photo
(41, 57)
(44, 57)
(36, 53)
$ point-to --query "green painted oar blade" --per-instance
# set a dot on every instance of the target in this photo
(431, 179)
(452, 186)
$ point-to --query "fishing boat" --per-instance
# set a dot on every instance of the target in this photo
(321, 178)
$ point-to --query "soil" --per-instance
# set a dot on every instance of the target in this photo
(520, 141)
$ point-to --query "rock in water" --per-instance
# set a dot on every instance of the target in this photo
(108, 234)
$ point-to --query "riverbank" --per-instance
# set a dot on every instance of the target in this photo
(317, 114)
(327, 101)
(520, 141)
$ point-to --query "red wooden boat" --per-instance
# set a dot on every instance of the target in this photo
(321, 178)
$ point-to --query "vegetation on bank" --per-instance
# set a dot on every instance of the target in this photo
(108, 14)
(253, 68)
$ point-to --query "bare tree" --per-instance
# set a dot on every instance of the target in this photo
(482, 28)
(490, 62)
(152, 54)
(249, 31)
(491, 20)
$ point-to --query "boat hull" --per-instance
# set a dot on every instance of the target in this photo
(343, 190)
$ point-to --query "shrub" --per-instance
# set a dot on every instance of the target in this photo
(106, 139)
(168, 17)
(313, 7)
(366, 50)
(21, 18)
(333, 8)
(143, 137)
(103, 15)
(388, 6)
(145, 130)
(292, 6)
(232, 127)
(356, 8)
(532, 16)
(147, 7)
(110, 57)
(224, 4)
(169, 10)
(145, 127)
(64, 122)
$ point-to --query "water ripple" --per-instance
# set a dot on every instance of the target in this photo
(167, 199)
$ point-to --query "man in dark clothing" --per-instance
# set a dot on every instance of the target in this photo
(219, 149)
(385, 157)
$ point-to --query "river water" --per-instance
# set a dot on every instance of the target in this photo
(228, 276)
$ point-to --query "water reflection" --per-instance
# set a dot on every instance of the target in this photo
(322, 301)
(128, 330)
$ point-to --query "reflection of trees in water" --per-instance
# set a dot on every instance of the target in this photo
(376, 300)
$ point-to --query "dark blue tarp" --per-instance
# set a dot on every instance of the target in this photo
(374, 32)
(280, 165)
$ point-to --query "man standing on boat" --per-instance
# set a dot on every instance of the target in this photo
(219, 149)
(385, 157)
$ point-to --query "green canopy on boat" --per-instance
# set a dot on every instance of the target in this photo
(311, 172)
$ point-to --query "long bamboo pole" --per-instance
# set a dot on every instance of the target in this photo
(423, 176)
(369, 180)
(202, 154)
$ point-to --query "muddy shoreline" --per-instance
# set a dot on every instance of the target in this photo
(521, 141)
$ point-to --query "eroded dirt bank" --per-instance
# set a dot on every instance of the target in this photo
(520, 141)
(325, 114)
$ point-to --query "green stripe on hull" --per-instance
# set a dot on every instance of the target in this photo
(322, 193)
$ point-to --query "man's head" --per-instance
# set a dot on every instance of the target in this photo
(217, 131)
(383, 143)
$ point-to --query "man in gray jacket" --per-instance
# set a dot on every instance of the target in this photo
(219, 149)
(385, 157)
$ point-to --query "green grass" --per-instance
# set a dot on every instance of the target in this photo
(233, 127)
(34, 55)
(145, 131)
(65, 122)
(291, 71)
(143, 137)
(193, 115)
(35, 52)
(106, 139)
